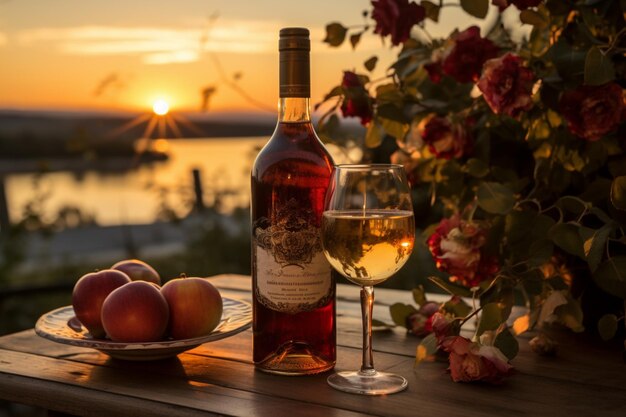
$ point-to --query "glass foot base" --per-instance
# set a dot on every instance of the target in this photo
(376, 383)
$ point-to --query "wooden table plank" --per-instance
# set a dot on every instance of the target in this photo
(70, 386)
(586, 379)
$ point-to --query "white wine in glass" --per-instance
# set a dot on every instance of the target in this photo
(368, 232)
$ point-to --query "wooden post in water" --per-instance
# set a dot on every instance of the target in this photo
(5, 222)
(197, 188)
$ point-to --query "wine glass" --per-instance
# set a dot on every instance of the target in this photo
(368, 231)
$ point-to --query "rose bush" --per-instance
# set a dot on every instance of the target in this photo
(520, 146)
(458, 248)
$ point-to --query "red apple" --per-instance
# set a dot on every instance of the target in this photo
(138, 270)
(135, 312)
(89, 294)
(195, 307)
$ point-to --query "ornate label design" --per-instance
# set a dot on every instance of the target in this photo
(293, 274)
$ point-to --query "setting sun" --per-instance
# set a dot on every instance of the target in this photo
(160, 107)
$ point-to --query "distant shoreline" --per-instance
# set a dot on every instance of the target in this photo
(45, 165)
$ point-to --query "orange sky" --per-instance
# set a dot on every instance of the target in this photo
(123, 55)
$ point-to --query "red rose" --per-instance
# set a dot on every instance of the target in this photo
(592, 112)
(507, 85)
(434, 70)
(444, 139)
(520, 4)
(464, 60)
(356, 101)
(396, 18)
(474, 362)
(420, 323)
(457, 247)
(443, 328)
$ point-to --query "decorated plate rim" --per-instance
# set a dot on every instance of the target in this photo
(55, 326)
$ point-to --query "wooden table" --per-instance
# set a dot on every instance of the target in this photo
(585, 379)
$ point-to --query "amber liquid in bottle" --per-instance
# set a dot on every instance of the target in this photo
(293, 286)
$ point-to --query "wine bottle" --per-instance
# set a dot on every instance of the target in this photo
(294, 316)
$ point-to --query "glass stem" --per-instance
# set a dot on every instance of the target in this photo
(367, 307)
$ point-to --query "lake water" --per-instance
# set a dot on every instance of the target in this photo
(135, 196)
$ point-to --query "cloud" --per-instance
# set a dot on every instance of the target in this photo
(157, 45)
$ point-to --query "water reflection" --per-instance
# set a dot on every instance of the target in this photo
(137, 195)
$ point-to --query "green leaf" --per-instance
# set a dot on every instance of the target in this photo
(611, 276)
(540, 252)
(593, 245)
(573, 204)
(566, 237)
(517, 224)
(457, 307)
(531, 17)
(373, 137)
(495, 198)
(571, 315)
(507, 343)
(389, 93)
(335, 34)
(476, 8)
(542, 226)
(618, 192)
(451, 288)
(599, 68)
(394, 128)
(354, 39)
(336, 91)
(419, 295)
(476, 168)
(370, 64)
(426, 349)
(379, 325)
(490, 318)
(607, 326)
(568, 59)
(399, 313)
(432, 10)
(532, 281)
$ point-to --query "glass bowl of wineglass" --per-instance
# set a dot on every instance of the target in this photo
(368, 232)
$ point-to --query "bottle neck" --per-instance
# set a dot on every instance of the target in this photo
(294, 110)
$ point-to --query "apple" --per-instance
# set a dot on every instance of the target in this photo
(138, 270)
(89, 294)
(195, 307)
(135, 312)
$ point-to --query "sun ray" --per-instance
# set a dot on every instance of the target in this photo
(188, 124)
(162, 127)
(172, 124)
(128, 125)
(147, 133)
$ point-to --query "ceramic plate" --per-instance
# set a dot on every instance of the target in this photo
(61, 326)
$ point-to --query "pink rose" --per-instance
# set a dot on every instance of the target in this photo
(420, 323)
(457, 247)
(356, 102)
(396, 18)
(507, 85)
(444, 139)
(464, 60)
(474, 362)
(443, 328)
(592, 112)
(520, 4)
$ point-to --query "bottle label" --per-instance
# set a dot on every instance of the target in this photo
(293, 274)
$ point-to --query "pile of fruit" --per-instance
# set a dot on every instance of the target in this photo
(127, 304)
